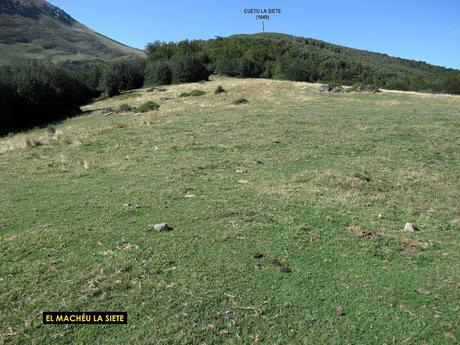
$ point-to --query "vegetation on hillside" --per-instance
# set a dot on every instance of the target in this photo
(34, 94)
(176, 63)
(287, 57)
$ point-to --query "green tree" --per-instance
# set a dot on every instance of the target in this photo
(122, 75)
(158, 73)
(187, 68)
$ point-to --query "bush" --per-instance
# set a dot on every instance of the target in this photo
(241, 101)
(248, 68)
(188, 69)
(92, 78)
(363, 88)
(146, 107)
(125, 108)
(239, 67)
(158, 73)
(452, 85)
(122, 76)
(219, 90)
(228, 66)
(33, 94)
(193, 93)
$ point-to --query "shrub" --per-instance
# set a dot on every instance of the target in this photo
(297, 70)
(452, 84)
(33, 94)
(125, 108)
(92, 78)
(148, 106)
(193, 93)
(241, 101)
(187, 69)
(239, 67)
(158, 73)
(363, 88)
(122, 76)
(219, 90)
(228, 66)
(247, 68)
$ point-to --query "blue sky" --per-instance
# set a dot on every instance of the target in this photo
(415, 29)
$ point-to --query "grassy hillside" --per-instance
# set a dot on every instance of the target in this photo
(275, 207)
(40, 31)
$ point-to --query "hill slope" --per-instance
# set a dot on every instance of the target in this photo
(281, 56)
(35, 29)
(294, 178)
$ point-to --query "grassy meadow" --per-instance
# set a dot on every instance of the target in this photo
(288, 217)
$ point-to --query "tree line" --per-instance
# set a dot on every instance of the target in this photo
(280, 56)
(34, 94)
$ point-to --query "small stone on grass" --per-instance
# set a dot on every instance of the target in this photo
(340, 311)
(128, 246)
(162, 227)
(422, 291)
(411, 227)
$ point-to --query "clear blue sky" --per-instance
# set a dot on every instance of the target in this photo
(415, 29)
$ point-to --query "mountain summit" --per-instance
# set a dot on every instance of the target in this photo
(36, 29)
(34, 9)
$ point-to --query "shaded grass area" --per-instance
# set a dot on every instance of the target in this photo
(285, 178)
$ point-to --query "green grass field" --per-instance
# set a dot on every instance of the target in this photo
(275, 207)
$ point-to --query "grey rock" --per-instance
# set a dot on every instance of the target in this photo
(338, 89)
(162, 227)
(324, 88)
(340, 311)
(410, 227)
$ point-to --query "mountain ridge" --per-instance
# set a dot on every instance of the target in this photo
(326, 43)
(38, 30)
